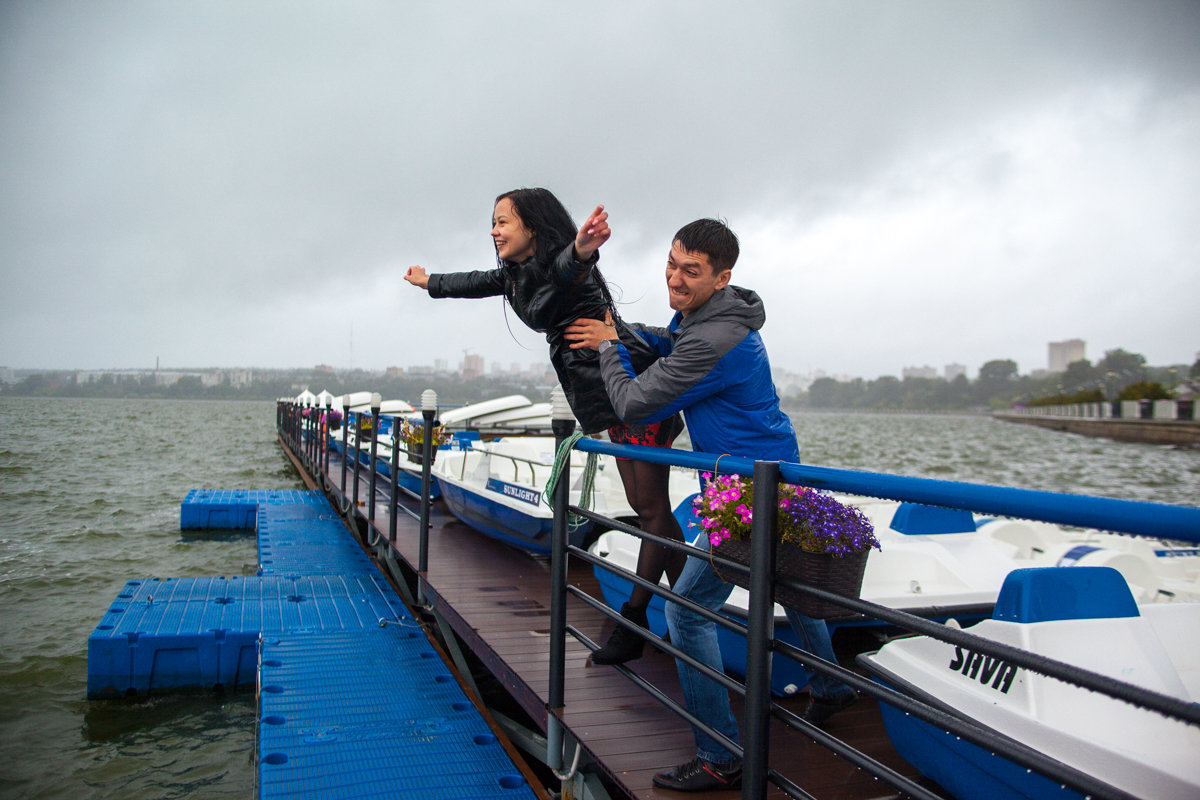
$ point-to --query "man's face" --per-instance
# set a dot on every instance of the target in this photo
(690, 279)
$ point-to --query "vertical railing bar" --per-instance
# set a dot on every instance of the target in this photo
(563, 428)
(428, 412)
(760, 629)
(394, 470)
(373, 479)
(357, 449)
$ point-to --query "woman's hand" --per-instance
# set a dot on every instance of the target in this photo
(417, 276)
(592, 233)
(590, 333)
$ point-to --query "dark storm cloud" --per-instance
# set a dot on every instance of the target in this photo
(195, 181)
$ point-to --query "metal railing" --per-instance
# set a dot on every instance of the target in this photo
(1146, 519)
(1173, 522)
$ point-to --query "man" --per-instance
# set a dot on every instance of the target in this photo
(714, 368)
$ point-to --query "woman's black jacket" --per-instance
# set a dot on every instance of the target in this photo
(548, 298)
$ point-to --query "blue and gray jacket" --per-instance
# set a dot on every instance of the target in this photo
(714, 368)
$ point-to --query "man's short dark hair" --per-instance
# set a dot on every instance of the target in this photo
(713, 238)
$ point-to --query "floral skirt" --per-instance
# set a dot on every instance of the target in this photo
(658, 434)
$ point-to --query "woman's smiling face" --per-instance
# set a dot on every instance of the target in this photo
(514, 242)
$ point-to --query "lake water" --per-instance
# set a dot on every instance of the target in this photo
(89, 498)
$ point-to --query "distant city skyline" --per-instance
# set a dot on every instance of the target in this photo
(473, 366)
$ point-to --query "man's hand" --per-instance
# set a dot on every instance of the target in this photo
(590, 333)
(592, 233)
(417, 277)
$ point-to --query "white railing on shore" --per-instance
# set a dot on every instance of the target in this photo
(1173, 410)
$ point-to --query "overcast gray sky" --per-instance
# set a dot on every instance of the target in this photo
(244, 183)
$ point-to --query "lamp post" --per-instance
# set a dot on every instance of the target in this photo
(428, 412)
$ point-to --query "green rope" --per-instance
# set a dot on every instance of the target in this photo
(587, 490)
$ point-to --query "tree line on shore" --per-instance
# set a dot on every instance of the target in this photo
(1120, 375)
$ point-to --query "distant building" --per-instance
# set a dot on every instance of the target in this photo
(1064, 353)
(394, 372)
(918, 372)
(472, 366)
(441, 365)
(952, 371)
(324, 369)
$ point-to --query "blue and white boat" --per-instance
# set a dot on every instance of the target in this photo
(499, 489)
(1084, 617)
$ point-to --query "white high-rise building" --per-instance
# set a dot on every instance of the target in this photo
(1064, 353)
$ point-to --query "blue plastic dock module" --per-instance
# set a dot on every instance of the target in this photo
(234, 509)
(182, 633)
(353, 700)
(372, 715)
(318, 546)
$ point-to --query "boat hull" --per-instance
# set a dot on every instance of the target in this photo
(529, 532)
(1083, 616)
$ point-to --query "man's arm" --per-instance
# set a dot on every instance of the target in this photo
(589, 333)
(671, 384)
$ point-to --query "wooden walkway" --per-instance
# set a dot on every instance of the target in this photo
(497, 600)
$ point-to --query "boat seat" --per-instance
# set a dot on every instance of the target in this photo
(1045, 594)
(916, 519)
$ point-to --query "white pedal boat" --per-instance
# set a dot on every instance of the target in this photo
(1082, 616)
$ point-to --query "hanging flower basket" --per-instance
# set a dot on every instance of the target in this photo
(842, 576)
(412, 436)
(822, 542)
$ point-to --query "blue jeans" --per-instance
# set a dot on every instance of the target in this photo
(697, 637)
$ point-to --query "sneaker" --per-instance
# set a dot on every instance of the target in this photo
(819, 711)
(699, 775)
(623, 644)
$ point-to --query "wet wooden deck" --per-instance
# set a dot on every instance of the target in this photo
(497, 601)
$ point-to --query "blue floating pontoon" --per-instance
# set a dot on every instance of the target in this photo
(354, 702)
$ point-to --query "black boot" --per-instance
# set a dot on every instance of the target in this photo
(623, 645)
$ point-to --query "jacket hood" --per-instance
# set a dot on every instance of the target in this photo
(733, 303)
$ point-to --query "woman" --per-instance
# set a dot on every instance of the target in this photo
(547, 272)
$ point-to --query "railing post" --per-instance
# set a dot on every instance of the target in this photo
(563, 425)
(428, 412)
(345, 437)
(376, 403)
(760, 634)
(310, 435)
(357, 448)
(314, 447)
(395, 472)
(323, 459)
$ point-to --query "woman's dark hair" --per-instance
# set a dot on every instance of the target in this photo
(713, 238)
(547, 219)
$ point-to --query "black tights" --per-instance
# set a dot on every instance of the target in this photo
(646, 489)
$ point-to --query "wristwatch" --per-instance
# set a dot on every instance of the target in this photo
(605, 344)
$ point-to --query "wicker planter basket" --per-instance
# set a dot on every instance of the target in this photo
(842, 576)
(416, 457)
